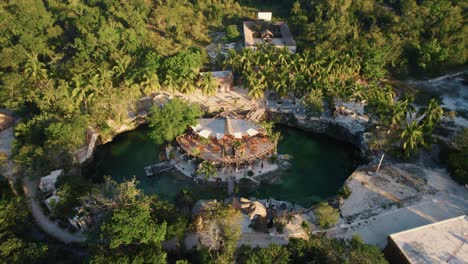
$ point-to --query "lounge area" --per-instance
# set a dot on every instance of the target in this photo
(226, 141)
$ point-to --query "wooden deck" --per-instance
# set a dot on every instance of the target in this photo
(222, 150)
(158, 168)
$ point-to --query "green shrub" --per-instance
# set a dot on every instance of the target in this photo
(344, 192)
(327, 216)
(232, 33)
(250, 173)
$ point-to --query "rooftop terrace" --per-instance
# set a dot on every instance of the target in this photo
(441, 242)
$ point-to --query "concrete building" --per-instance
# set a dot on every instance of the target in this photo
(262, 32)
(223, 80)
(441, 242)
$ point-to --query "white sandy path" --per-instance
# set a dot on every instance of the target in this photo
(50, 227)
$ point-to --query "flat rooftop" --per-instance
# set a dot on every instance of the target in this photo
(441, 242)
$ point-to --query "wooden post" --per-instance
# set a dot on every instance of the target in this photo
(380, 163)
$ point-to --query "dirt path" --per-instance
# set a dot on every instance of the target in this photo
(50, 227)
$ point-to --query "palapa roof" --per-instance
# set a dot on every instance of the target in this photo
(220, 127)
(222, 133)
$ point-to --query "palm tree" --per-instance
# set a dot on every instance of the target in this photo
(207, 84)
(170, 83)
(284, 56)
(188, 83)
(82, 93)
(122, 64)
(432, 114)
(105, 77)
(150, 83)
(35, 69)
(207, 169)
(256, 85)
(280, 83)
(412, 137)
(399, 112)
(232, 60)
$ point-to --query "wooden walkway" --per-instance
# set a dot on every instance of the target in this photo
(158, 168)
(230, 186)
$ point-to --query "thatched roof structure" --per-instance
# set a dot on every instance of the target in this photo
(226, 140)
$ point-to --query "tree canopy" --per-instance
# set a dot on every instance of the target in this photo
(172, 120)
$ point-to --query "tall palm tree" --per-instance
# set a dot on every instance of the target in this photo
(35, 69)
(170, 83)
(188, 83)
(412, 137)
(207, 84)
(82, 94)
(232, 60)
(105, 77)
(123, 61)
(256, 84)
(150, 83)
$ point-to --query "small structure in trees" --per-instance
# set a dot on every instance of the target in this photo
(264, 31)
(223, 80)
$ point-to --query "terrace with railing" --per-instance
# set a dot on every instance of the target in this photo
(228, 149)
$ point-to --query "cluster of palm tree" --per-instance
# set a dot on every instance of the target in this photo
(314, 76)
(188, 83)
(277, 69)
(418, 130)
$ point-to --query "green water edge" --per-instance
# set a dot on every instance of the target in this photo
(319, 167)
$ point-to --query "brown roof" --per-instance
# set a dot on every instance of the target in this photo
(6, 121)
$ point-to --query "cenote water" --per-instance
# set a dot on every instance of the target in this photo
(319, 168)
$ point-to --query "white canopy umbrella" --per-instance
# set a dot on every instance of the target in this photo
(195, 128)
(238, 135)
(252, 132)
(205, 133)
(219, 136)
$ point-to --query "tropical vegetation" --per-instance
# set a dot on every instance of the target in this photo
(71, 67)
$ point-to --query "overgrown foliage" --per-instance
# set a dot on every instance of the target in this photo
(171, 120)
(14, 220)
(317, 249)
(327, 216)
(457, 158)
(405, 37)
